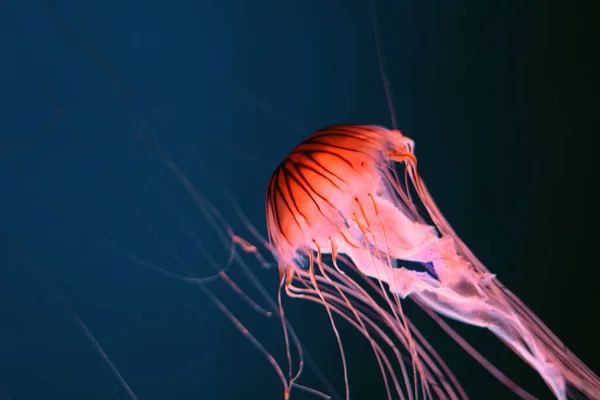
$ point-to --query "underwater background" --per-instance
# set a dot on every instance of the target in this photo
(500, 98)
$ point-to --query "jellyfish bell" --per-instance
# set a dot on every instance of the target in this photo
(338, 193)
(318, 185)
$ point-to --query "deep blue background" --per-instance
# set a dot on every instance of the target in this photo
(500, 99)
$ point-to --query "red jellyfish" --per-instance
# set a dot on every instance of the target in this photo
(338, 200)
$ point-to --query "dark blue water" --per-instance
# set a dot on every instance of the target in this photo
(499, 99)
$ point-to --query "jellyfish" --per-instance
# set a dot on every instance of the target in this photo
(345, 209)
